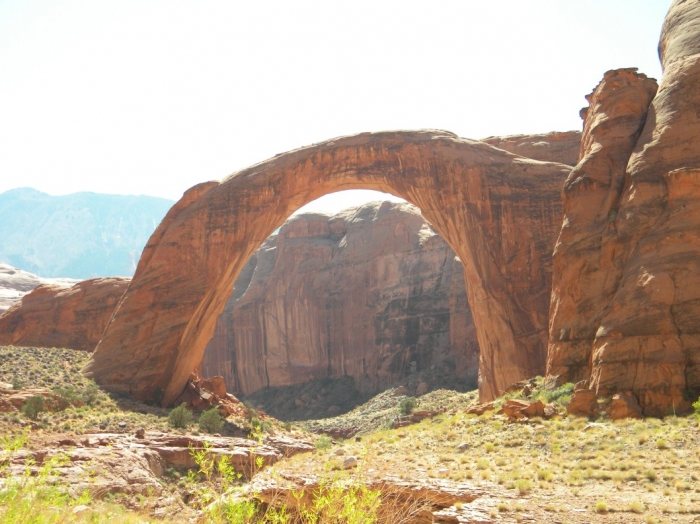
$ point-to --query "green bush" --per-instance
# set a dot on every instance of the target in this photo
(180, 417)
(91, 393)
(560, 395)
(33, 407)
(407, 405)
(696, 406)
(210, 421)
(324, 442)
(66, 397)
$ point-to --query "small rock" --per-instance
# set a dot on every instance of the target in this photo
(80, 509)
(400, 391)
(350, 462)
(140, 433)
(463, 446)
(122, 425)
(339, 452)
(422, 389)
(299, 403)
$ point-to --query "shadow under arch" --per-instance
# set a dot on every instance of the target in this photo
(499, 212)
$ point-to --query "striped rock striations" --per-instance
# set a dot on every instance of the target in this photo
(372, 292)
(633, 208)
(498, 211)
(53, 315)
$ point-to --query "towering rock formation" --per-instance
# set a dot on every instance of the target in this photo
(65, 317)
(372, 293)
(498, 211)
(638, 334)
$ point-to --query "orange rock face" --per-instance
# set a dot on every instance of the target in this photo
(499, 212)
(56, 316)
(640, 336)
(308, 288)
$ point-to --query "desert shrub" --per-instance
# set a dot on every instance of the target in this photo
(407, 405)
(560, 395)
(180, 417)
(696, 406)
(34, 406)
(66, 397)
(324, 442)
(210, 421)
(17, 383)
(90, 393)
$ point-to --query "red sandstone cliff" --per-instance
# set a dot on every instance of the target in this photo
(372, 293)
(66, 317)
(626, 285)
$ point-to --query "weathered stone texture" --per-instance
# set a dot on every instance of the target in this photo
(65, 317)
(646, 340)
(498, 211)
(562, 147)
(364, 293)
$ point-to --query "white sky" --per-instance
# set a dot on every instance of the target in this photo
(152, 97)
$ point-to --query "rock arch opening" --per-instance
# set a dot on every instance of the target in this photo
(371, 292)
(499, 212)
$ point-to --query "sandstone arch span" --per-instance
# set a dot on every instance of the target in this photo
(499, 212)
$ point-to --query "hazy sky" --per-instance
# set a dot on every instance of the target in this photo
(152, 97)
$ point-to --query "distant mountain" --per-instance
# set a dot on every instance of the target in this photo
(82, 235)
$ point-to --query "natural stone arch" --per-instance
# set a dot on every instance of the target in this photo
(499, 212)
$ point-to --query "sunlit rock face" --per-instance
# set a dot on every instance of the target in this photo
(372, 292)
(499, 212)
(631, 234)
(55, 315)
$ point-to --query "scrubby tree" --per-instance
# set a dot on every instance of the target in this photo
(210, 421)
(180, 417)
(33, 406)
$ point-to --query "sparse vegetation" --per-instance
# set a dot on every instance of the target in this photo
(34, 406)
(210, 421)
(180, 417)
(631, 463)
(407, 405)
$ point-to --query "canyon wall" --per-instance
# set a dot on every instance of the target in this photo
(54, 315)
(372, 292)
(626, 285)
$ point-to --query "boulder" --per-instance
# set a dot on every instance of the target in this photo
(623, 405)
(583, 403)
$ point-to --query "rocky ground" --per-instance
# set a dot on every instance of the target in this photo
(404, 457)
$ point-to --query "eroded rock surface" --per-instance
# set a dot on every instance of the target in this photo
(15, 283)
(296, 308)
(563, 147)
(498, 211)
(53, 315)
(111, 463)
(646, 340)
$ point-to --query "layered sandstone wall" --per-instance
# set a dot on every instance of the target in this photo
(373, 293)
(638, 335)
(66, 317)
